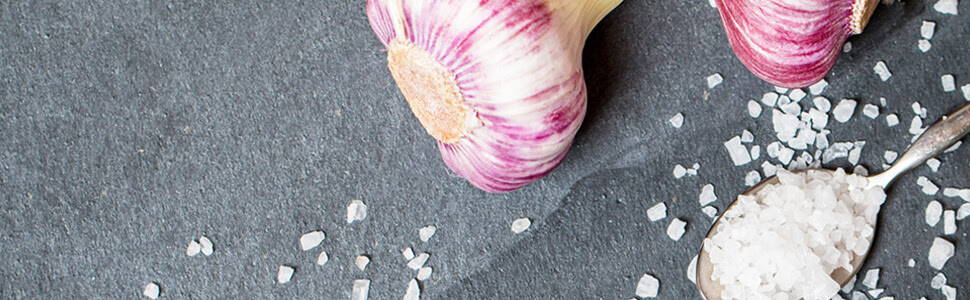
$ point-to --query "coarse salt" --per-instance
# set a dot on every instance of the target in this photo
(911, 263)
(754, 109)
(752, 178)
(707, 195)
(360, 289)
(844, 110)
(949, 222)
(934, 164)
(193, 249)
(755, 152)
(413, 291)
(927, 186)
(821, 103)
(947, 7)
(818, 87)
(872, 278)
(924, 45)
(408, 253)
(311, 239)
(356, 211)
(323, 258)
(882, 71)
(424, 273)
(781, 90)
(847, 47)
(647, 286)
(927, 29)
(948, 82)
(418, 261)
(890, 156)
(657, 212)
(964, 211)
(892, 120)
(205, 246)
(769, 99)
(520, 225)
(677, 120)
(871, 111)
(966, 91)
(151, 290)
(797, 95)
(692, 270)
(739, 154)
(710, 211)
(938, 281)
(747, 137)
(361, 262)
(676, 229)
(284, 274)
(679, 171)
(940, 252)
(425, 233)
(932, 213)
(714, 80)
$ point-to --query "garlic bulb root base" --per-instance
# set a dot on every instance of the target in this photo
(861, 13)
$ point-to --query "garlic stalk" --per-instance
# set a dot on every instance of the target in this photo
(498, 84)
(792, 43)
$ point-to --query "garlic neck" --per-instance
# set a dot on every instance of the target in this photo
(861, 12)
(584, 13)
(431, 92)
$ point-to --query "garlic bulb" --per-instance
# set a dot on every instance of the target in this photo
(498, 84)
(792, 43)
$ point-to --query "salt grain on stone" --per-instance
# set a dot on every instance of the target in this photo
(819, 119)
(847, 47)
(954, 148)
(938, 281)
(857, 295)
(847, 288)
(747, 137)
(964, 211)
(754, 109)
(769, 99)
(205, 245)
(934, 164)
(916, 126)
(876, 292)
(677, 120)
(714, 80)
(924, 46)
(949, 222)
(676, 229)
(932, 213)
(425, 233)
(941, 251)
(911, 263)
(882, 71)
(927, 186)
(413, 291)
(823, 104)
(360, 289)
(424, 273)
(872, 278)
(707, 195)
(521, 224)
(890, 156)
(323, 258)
(648, 286)
(781, 90)
(418, 261)
(949, 292)
(361, 262)
(739, 154)
(948, 7)
(755, 152)
(151, 290)
(752, 178)
(870, 111)
(818, 87)
(919, 110)
(797, 95)
(311, 240)
(407, 253)
(710, 211)
(892, 120)
(949, 84)
(193, 249)
(844, 110)
(692, 270)
(927, 29)
(284, 274)
(356, 211)
(679, 171)
(860, 170)
(966, 91)
(657, 212)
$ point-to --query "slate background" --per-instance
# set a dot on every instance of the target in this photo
(128, 128)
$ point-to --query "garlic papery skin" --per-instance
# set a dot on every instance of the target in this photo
(498, 84)
(792, 43)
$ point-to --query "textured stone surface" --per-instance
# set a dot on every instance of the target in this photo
(129, 128)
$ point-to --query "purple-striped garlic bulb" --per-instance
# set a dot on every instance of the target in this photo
(498, 83)
(792, 43)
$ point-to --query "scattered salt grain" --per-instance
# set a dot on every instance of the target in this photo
(785, 125)
(769, 99)
(916, 126)
(964, 211)
(707, 195)
(714, 80)
(739, 154)
(797, 95)
(847, 47)
(890, 156)
(413, 291)
(844, 110)
(521, 224)
(819, 119)
(938, 281)
(927, 29)
(755, 152)
(323, 258)
(781, 90)
(818, 87)
(932, 213)
(791, 108)
(927, 186)
(418, 261)
(940, 252)
(311, 240)
(882, 71)
(954, 148)
(284, 274)
(361, 262)
(648, 286)
(752, 178)
(924, 46)
(356, 211)
(677, 120)
(911, 263)
(657, 212)
(892, 120)
(847, 288)
(860, 170)
(934, 164)
(407, 253)
(360, 289)
(151, 290)
(854, 155)
(948, 7)
(710, 211)
(785, 155)
(424, 273)
(857, 295)
(425, 233)
(870, 111)
(882, 101)
(872, 278)
(680, 171)
(747, 137)
(948, 83)
(949, 222)
(676, 229)
(949, 292)
(205, 245)
(876, 292)
(966, 91)
(919, 110)
(754, 109)
(193, 249)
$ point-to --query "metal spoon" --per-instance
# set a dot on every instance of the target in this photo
(934, 141)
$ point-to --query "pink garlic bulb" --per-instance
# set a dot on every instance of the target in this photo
(498, 83)
(792, 43)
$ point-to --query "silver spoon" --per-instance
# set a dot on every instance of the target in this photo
(934, 141)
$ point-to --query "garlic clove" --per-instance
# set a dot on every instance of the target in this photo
(792, 43)
(498, 84)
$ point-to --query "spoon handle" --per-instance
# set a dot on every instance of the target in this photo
(934, 141)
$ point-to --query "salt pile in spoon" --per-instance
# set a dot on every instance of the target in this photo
(785, 241)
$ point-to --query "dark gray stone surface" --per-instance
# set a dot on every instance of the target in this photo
(128, 128)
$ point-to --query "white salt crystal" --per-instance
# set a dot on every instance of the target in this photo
(966, 91)
(739, 154)
(927, 29)
(876, 292)
(773, 149)
(949, 222)
(948, 83)
(418, 261)
(413, 292)
(938, 281)
(854, 156)
(916, 126)
(284, 274)
(769, 169)
(870, 111)
(520, 225)
(819, 119)
(872, 278)
(205, 245)
(791, 108)
(954, 147)
(425, 233)
(785, 125)
(818, 87)
(940, 252)
(932, 213)
(424, 273)
(919, 110)
(360, 289)
(193, 249)
(797, 95)
(890, 156)
(857, 295)
(860, 170)
(407, 253)
(934, 164)
(847, 47)
(949, 292)
(911, 263)
(892, 120)
(676, 229)
(964, 211)
(785, 155)
(752, 178)
(882, 101)
(677, 120)
(311, 239)
(707, 195)
(844, 110)
(847, 288)
(714, 80)
(769, 99)
(710, 211)
(882, 71)
(361, 262)
(754, 109)
(356, 211)
(657, 212)
(747, 137)
(948, 7)
(755, 152)
(927, 186)
(712, 3)
(151, 290)
(323, 258)
(924, 46)
(648, 286)
(679, 171)
(692, 270)
(781, 90)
